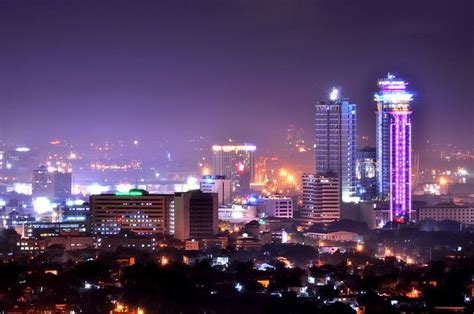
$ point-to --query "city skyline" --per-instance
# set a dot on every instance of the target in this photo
(56, 67)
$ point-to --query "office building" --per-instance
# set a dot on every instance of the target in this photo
(336, 142)
(365, 173)
(321, 198)
(275, 206)
(235, 162)
(393, 146)
(195, 215)
(135, 211)
(220, 185)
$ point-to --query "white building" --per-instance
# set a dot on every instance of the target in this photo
(217, 184)
(237, 213)
(276, 206)
(321, 198)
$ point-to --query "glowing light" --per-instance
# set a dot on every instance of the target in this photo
(164, 261)
(55, 142)
(96, 189)
(240, 167)
(42, 205)
(22, 149)
(230, 148)
(334, 95)
(135, 142)
(123, 187)
(359, 247)
(394, 97)
(443, 181)
(129, 193)
(206, 171)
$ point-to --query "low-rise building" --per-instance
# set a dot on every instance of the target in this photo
(461, 214)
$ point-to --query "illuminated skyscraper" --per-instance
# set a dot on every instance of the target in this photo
(235, 162)
(394, 146)
(336, 135)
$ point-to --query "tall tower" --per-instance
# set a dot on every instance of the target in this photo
(394, 146)
(336, 135)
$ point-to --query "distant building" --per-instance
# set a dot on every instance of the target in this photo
(62, 185)
(236, 162)
(195, 215)
(461, 214)
(53, 229)
(238, 213)
(393, 144)
(276, 206)
(135, 211)
(366, 173)
(42, 185)
(220, 185)
(51, 184)
(336, 142)
(321, 198)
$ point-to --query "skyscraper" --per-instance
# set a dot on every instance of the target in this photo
(393, 141)
(235, 162)
(336, 135)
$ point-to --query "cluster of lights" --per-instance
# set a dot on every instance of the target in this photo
(234, 148)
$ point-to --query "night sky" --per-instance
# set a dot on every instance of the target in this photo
(90, 70)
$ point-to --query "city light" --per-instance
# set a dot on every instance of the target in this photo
(334, 94)
(42, 205)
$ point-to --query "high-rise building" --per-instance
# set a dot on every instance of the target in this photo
(365, 173)
(393, 144)
(135, 211)
(321, 198)
(336, 142)
(195, 214)
(62, 184)
(220, 185)
(42, 185)
(235, 162)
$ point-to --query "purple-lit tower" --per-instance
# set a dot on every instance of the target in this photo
(394, 146)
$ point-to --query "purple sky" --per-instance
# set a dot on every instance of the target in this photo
(83, 70)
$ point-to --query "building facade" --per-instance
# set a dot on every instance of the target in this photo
(195, 215)
(336, 142)
(235, 162)
(393, 146)
(461, 214)
(135, 211)
(220, 185)
(321, 198)
(276, 206)
(366, 173)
